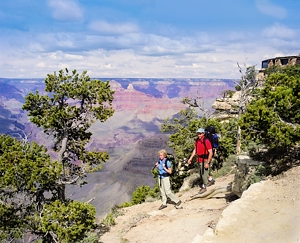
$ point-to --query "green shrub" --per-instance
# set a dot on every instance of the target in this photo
(126, 204)
(109, 220)
(90, 238)
(139, 195)
(227, 167)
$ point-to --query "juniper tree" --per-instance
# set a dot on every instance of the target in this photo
(72, 103)
(32, 186)
(247, 86)
(29, 204)
(273, 118)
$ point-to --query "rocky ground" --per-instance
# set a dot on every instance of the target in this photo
(268, 211)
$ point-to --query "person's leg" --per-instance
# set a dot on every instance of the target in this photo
(211, 181)
(162, 191)
(203, 176)
(199, 165)
(167, 186)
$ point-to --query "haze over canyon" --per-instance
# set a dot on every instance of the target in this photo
(131, 136)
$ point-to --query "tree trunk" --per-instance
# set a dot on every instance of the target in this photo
(62, 192)
(238, 141)
(62, 187)
(62, 149)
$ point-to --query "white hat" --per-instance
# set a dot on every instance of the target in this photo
(200, 130)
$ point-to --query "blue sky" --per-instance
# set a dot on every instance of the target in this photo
(144, 38)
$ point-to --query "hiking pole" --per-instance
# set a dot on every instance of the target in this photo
(154, 167)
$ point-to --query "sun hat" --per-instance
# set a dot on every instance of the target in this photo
(200, 130)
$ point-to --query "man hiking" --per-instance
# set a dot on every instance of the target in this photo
(203, 150)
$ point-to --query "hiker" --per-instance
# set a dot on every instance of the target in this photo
(203, 150)
(164, 170)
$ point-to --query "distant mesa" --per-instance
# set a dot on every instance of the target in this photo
(130, 87)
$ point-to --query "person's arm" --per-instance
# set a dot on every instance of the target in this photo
(206, 164)
(169, 169)
(210, 154)
(192, 156)
(155, 166)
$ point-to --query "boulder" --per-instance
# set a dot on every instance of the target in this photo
(245, 167)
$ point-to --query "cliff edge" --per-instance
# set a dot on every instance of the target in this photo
(267, 212)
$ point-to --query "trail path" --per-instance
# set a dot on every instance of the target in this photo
(268, 211)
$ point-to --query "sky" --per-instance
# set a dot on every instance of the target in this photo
(145, 38)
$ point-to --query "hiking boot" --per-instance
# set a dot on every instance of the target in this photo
(178, 203)
(210, 183)
(162, 207)
(202, 190)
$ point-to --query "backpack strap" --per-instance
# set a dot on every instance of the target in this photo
(206, 150)
(205, 155)
(204, 142)
(166, 165)
(212, 148)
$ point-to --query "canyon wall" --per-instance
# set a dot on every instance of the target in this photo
(132, 136)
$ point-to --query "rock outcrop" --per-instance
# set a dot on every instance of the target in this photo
(225, 108)
(267, 212)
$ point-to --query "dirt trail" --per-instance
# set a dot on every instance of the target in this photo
(268, 211)
(145, 223)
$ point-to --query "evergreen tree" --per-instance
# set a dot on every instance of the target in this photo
(66, 112)
(32, 186)
(273, 118)
(29, 193)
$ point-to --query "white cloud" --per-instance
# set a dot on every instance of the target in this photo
(268, 8)
(279, 31)
(52, 56)
(41, 64)
(66, 10)
(59, 55)
(104, 27)
(144, 55)
(64, 66)
(73, 57)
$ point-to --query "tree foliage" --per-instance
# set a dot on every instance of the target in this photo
(26, 173)
(273, 118)
(29, 196)
(246, 86)
(182, 130)
(66, 112)
(32, 186)
(67, 221)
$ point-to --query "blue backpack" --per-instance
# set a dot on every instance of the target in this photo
(212, 136)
